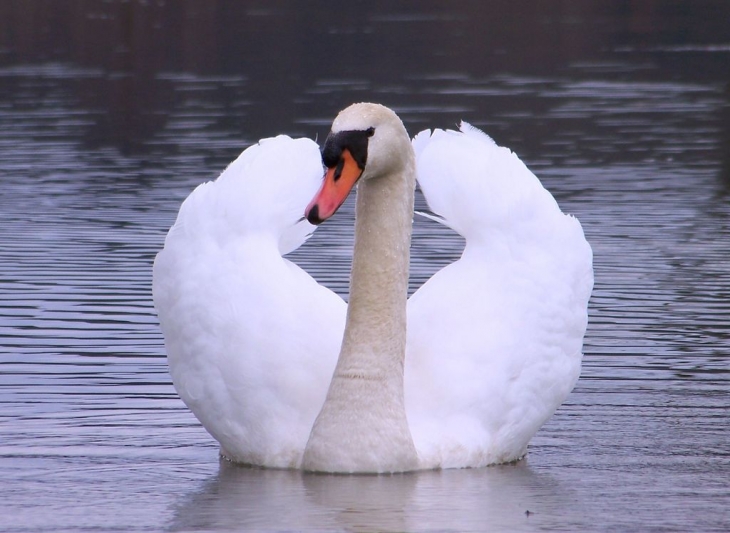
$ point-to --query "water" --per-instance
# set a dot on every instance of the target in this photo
(110, 113)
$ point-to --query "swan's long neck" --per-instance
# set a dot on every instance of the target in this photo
(362, 426)
(375, 333)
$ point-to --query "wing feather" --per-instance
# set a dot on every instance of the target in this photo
(494, 339)
(251, 338)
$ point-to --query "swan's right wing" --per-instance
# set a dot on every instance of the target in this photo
(494, 339)
(251, 338)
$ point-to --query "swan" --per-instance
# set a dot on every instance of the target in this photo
(283, 373)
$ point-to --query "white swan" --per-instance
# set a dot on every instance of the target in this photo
(493, 341)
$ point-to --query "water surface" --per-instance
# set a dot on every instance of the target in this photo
(111, 113)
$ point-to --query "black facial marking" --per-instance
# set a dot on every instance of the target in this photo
(356, 141)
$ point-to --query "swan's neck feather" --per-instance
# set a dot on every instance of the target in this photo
(376, 315)
(362, 426)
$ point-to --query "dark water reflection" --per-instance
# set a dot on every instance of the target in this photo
(244, 498)
(110, 113)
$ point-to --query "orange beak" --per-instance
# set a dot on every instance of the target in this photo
(338, 182)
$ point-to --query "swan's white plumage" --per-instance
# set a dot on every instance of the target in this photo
(494, 340)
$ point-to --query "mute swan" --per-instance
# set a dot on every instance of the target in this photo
(462, 374)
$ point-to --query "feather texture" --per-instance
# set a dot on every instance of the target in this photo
(494, 339)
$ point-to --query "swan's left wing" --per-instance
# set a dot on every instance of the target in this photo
(251, 338)
(494, 339)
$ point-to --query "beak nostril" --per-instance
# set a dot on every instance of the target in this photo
(338, 169)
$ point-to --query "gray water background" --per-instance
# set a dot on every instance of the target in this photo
(112, 112)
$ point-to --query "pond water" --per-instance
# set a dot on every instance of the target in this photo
(112, 112)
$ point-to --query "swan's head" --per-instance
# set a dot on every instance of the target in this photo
(367, 141)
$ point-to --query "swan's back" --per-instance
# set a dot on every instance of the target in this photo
(495, 339)
(251, 338)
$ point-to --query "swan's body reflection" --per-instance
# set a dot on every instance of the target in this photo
(493, 498)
